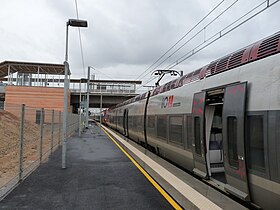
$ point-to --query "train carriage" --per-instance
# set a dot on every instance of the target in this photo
(220, 122)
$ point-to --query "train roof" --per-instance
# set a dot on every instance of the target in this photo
(256, 51)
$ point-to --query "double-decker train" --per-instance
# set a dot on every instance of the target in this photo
(221, 122)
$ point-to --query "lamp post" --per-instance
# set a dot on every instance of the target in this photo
(73, 23)
(88, 80)
(80, 110)
(100, 110)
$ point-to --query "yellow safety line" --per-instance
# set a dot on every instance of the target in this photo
(156, 185)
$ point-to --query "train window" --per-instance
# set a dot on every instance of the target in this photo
(151, 122)
(189, 131)
(130, 122)
(255, 143)
(161, 127)
(232, 141)
(151, 125)
(139, 123)
(134, 120)
(176, 129)
(120, 118)
(197, 137)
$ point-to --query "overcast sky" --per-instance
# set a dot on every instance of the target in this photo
(124, 37)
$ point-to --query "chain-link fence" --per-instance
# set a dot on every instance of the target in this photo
(27, 137)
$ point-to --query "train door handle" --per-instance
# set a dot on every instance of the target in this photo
(240, 157)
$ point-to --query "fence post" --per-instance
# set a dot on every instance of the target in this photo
(41, 134)
(80, 122)
(70, 125)
(52, 130)
(59, 127)
(77, 123)
(84, 122)
(20, 170)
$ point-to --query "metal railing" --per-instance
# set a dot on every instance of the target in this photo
(107, 91)
(103, 87)
(28, 136)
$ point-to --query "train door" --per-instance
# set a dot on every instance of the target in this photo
(198, 107)
(125, 122)
(233, 139)
(213, 134)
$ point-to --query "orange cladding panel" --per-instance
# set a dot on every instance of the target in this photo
(37, 97)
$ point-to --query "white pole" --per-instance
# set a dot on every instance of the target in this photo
(38, 77)
(88, 78)
(100, 110)
(80, 113)
(65, 109)
(9, 76)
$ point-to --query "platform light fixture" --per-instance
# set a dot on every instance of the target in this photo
(73, 23)
(77, 23)
(88, 81)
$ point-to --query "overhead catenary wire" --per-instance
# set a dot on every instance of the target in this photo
(211, 11)
(147, 82)
(196, 34)
(104, 74)
(222, 33)
(229, 28)
(80, 39)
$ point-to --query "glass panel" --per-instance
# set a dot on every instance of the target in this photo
(151, 122)
(134, 122)
(138, 123)
(176, 129)
(255, 143)
(189, 131)
(197, 137)
(161, 126)
(130, 122)
(232, 141)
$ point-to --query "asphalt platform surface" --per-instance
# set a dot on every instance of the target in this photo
(98, 176)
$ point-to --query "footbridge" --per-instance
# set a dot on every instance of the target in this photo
(102, 93)
(42, 85)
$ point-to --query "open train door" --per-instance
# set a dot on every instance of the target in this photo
(233, 140)
(198, 107)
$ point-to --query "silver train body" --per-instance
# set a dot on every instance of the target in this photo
(221, 122)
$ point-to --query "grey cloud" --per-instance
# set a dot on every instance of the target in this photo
(124, 37)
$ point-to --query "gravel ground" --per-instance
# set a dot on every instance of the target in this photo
(10, 143)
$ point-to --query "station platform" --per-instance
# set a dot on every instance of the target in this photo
(107, 171)
(98, 176)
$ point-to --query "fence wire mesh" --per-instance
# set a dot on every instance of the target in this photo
(28, 136)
